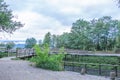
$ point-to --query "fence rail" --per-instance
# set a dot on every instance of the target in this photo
(92, 68)
(29, 52)
(22, 53)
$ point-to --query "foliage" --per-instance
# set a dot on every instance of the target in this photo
(7, 24)
(10, 45)
(93, 59)
(97, 34)
(2, 45)
(3, 54)
(47, 39)
(92, 62)
(46, 61)
(30, 42)
(53, 41)
(63, 40)
(40, 43)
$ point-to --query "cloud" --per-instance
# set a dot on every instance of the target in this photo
(37, 25)
(57, 16)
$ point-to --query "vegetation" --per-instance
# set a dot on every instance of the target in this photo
(47, 39)
(92, 62)
(93, 59)
(10, 45)
(7, 24)
(30, 42)
(3, 54)
(101, 34)
(46, 61)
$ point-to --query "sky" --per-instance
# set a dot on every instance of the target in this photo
(55, 16)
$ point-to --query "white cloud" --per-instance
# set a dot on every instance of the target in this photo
(37, 25)
(56, 16)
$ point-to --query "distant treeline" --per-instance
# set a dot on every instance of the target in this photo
(97, 34)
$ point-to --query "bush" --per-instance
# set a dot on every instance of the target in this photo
(3, 54)
(46, 61)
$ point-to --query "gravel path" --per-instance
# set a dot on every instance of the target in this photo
(21, 70)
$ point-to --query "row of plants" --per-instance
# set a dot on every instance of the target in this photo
(93, 59)
(47, 61)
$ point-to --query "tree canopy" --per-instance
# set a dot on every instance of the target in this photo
(7, 24)
(98, 34)
(47, 39)
(30, 42)
(10, 45)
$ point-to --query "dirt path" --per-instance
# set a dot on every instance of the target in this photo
(21, 70)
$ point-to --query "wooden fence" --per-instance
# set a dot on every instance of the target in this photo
(30, 52)
(91, 68)
(23, 53)
(72, 63)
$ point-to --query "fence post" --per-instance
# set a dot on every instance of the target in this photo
(116, 70)
(16, 53)
(83, 71)
(85, 68)
(112, 75)
(73, 66)
(65, 57)
(100, 69)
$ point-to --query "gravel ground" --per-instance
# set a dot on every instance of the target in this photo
(21, 70)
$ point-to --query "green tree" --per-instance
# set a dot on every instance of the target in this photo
(105, 31)
(97, 34)
(63, 40)
(30, 42)
(2, 44)
(79, 34)
(53, 41)
(47, 39)
(40, 43)
(7, 24)
(10, 45)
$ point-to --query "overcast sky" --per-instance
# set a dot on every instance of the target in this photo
(56, 16)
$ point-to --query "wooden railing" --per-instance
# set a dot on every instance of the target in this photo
(24, 53)
(29, 52)
(92, 68)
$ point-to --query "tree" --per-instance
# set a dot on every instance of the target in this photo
(97, 34)
(79, 34)
(47, 39)
(10, 45)
(30, 42)
(2, 44)
(7, 24)
(40, 43)
(63, 40)
(53, 41)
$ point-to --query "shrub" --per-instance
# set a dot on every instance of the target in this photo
(3, 54)
(46, 61)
